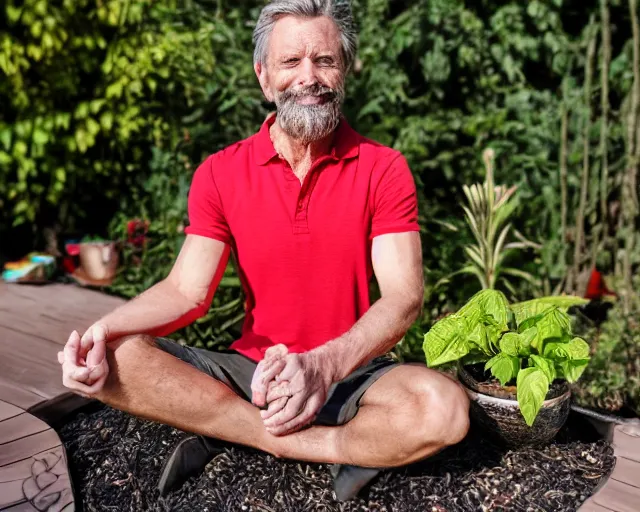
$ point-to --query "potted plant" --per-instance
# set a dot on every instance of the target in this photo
(514, 360)
(98, 260)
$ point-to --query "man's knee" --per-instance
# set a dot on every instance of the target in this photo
(442, 417)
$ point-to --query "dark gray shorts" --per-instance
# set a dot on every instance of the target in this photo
(236, 371)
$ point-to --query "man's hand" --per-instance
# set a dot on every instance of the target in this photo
(300, 392)
(265, 373)
(84, 362)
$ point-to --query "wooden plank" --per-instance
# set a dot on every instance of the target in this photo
(31, 363)
(590, 506)
(22, 469)
(627, 471)
(26, 479)
(8, 410)
(618, 496)
(14, 394)
(20, 426)
(22, 507)
(52, 311)
(27, 446)
(626, 444)
(29, 508)
(41, 480)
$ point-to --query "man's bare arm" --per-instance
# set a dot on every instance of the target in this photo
(179, 299)
(397, 264)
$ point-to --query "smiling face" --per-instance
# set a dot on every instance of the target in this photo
(304, 76)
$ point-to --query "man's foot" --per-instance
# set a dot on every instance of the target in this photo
(348, 481)
(189, 458)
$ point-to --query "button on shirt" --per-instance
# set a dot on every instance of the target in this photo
(303, 250)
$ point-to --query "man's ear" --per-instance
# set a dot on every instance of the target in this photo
(261, 73)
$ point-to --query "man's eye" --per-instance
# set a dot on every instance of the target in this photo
(292, 60)
(327, 61)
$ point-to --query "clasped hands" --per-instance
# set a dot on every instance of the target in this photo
(292, 387)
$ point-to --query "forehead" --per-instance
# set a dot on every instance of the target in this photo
(292, 34)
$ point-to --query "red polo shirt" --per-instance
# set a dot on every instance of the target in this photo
(303, 250)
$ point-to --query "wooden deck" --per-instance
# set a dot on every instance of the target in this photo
(33, 465)
(35, 322)
(621, 492)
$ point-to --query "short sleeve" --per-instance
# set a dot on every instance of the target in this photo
(395, 200)
(206, 215)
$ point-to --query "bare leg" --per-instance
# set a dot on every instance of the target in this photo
(408, 414)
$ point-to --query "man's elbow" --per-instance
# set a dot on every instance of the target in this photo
(414, 302)
(195, 301)
(416, 308)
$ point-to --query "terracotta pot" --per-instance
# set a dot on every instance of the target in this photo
(99, 260)
(496, 410)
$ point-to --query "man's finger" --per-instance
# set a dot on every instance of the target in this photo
(293, 366)
(77, 373)
(97, 372)
(278, 350)
(263, 374)
(294, 406)
(98, 349)
(61, 357)
(281, 390)
(78, 387)
(305, 417)
(72, 348)
(275, 406)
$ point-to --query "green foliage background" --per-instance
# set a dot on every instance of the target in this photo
(108, 107)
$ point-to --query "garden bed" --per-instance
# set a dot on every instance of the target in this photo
(115, 461)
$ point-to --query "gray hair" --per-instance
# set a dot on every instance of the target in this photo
(338, 10)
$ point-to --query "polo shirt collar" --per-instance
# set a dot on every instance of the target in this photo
(345, 142)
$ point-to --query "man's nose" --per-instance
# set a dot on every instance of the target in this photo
(308, 75)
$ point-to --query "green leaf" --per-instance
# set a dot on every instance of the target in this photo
(510, 343)
(526, 339)
(518, 344)
(486, 302)
(446, 341)
(5, 138)
(573, 368)
(503, 367)
(546, 365)
(479, 337)
(531, 321)
(553, 325)
(533, 387)
(572, 357)
(577, 348)
(530, 308)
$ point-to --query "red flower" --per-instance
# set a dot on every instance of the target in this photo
(597, 288)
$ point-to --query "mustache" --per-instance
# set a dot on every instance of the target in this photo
(312, 90)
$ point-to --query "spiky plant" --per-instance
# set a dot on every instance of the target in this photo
(487, 214)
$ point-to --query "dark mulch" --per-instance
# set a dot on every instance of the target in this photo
(116, 459)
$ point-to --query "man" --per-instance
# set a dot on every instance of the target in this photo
(310, 210)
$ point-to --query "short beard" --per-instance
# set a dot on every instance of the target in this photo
(309, 123)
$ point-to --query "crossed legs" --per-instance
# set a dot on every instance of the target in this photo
(410, 413)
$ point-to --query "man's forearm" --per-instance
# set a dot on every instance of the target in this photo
(158, 311)
(377, 332)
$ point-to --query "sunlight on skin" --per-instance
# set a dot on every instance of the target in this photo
(302, 52)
